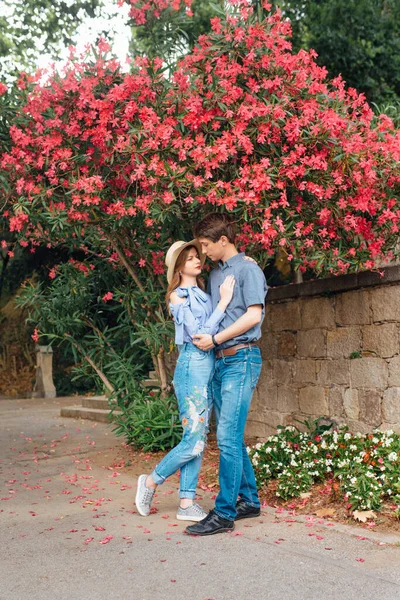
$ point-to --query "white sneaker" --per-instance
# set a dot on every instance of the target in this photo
(194, 512)
(144, 496)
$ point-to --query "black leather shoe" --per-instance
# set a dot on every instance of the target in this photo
(211, 524)
(246, 511)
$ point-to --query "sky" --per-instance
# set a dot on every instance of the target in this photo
(113, 20)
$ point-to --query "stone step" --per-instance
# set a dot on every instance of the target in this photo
(151, 383)
(93, 414)
(96, 402)
(153, 374)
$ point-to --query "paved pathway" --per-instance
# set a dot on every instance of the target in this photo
(68, 530)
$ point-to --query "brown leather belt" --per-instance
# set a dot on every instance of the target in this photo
(233, 349)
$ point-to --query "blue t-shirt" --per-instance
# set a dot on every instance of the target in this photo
(194, 315)
(250, 288)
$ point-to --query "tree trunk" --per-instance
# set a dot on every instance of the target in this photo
(162, 373)
(100, 373)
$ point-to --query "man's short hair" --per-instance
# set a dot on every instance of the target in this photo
(215, 225)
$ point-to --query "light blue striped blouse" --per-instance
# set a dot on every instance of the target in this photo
(194, 315)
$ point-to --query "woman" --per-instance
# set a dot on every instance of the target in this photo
(192, 312)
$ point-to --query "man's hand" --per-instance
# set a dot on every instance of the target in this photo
(203, 341)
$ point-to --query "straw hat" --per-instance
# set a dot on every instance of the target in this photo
(174, 251)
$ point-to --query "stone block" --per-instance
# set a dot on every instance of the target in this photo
(336, 401)
(269, 345)
(317, 313)
(333, 372)
(265, 398)
(370, 402)
(265, 424)
(341, 342)
(370, 373)
(287, 343)
(287, 399)
(358, 426)
(381, 339)
(322, 372)
(394, 371)
(311, 343)
(352, 308)
(385, 303)
(313, 401)
(339, 372)
(282, 371)
(275, 418)
(285, 316)
(391, 405)
(304, 371)
(351, 404)
(266, 375)
(259, 430)
(392, 426)
(267, 320)
(255, 405)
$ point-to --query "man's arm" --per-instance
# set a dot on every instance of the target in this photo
(251, 317)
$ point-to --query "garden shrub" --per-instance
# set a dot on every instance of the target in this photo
(367, 466)
(149, 420)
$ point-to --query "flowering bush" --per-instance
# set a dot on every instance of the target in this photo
(244, 124)
(74, 172)
(301, 161)
(116, 166)
(143, 10)
(366, 466)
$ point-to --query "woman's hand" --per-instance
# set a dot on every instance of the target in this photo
(250, 259)
(226, 290)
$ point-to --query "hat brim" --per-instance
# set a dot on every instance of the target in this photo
(174, 258)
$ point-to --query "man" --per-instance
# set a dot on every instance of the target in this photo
(238, 366)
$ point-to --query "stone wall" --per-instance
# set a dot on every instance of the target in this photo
(331, 348)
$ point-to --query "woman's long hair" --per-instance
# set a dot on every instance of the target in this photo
(176, 279)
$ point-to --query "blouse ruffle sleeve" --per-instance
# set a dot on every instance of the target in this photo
(183, 317)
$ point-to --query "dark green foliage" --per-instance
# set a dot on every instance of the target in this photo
(148, 421)
(359, 39)
(174, 34)
(66, 381)
(316, 426)
(99, 337)
(391, 109)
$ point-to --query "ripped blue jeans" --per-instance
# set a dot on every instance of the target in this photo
(193, 373)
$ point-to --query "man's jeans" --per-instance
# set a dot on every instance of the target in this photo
(232, 388)
(192, 377)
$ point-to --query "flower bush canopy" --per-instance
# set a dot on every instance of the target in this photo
(143, 10)
(124, 163)
(300, 160)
